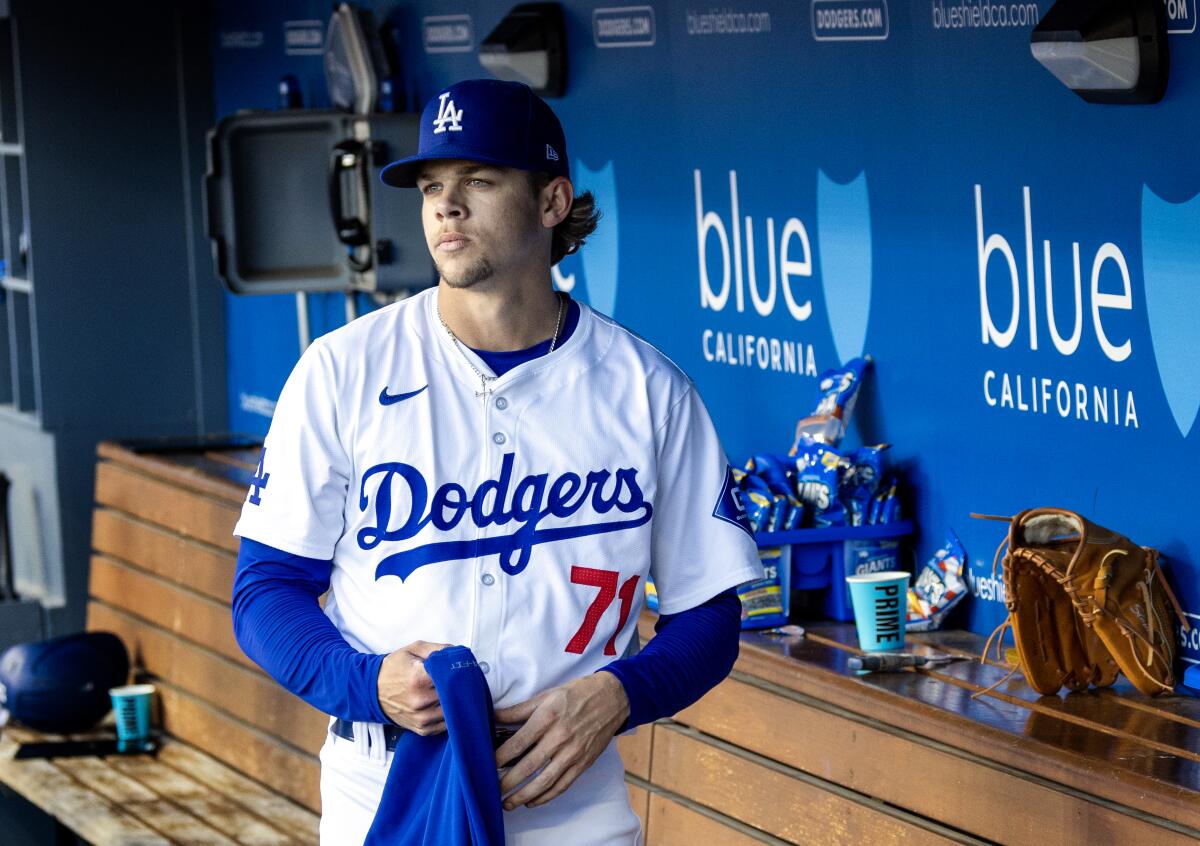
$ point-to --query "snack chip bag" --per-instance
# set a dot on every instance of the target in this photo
(760, 503)
(775, 471)
(938, 587)
(837, 391)
(765, 602)
(860, 480)
(817, 482)
(793, 515)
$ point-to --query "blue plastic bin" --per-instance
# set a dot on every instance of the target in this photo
(822, 558)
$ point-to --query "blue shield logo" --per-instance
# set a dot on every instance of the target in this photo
(844, 242)
(1170, 273)
(600, 256)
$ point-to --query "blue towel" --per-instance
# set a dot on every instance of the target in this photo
(444, 790)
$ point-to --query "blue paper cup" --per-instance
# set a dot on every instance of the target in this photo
(131, 704)
(880, 603)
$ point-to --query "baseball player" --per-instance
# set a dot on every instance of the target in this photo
(491, 464)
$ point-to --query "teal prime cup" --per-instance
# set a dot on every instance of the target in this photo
(131, 704)
(880, 601)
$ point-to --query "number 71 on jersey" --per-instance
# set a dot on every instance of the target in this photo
(606, 581)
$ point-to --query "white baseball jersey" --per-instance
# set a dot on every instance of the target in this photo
(521, 522)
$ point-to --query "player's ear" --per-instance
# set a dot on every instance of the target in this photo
(556, 199)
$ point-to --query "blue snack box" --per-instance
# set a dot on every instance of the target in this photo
(823, 558)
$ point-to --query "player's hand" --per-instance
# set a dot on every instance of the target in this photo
(566, 728)
(406, 691)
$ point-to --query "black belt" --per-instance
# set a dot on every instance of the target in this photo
(345, 730)
(391, 734)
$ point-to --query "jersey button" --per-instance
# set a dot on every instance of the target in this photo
(499, 438)
(488, 579)
(485, 667)
(501, 403)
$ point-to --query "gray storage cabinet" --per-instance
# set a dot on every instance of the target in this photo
(111, 322)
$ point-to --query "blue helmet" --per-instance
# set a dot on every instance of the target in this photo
(61, 684)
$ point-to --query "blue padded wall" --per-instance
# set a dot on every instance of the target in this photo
(909, 183)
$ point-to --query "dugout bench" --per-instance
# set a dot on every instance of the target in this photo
(792, 748)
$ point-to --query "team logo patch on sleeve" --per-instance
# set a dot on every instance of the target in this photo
(729, 505)
(258, 482)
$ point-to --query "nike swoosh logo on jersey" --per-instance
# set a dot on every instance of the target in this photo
(387, 399)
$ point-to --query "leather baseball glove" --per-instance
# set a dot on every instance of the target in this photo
(1084, 603)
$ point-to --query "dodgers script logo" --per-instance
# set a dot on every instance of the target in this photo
(495, 502)
(1170, 272)
(844, 239)
(447, 117)
(601, 255)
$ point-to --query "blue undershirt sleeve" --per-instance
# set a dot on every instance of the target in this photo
(279, 624)
(690, 654)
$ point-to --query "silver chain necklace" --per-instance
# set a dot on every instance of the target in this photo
(484, 379)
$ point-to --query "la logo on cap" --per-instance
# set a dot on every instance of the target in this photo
(448, 117)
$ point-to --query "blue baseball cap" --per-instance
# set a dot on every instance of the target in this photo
(489, 121)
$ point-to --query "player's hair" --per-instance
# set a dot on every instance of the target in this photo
(575, 228)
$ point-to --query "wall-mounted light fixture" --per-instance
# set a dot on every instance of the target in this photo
(357, 69)
(530, 46)
(1106, 51)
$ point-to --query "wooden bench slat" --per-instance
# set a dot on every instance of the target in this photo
(178, 793)
(285, 815)
(96, 819)
(634, 750)
(204, 474)
(158, 776)
(246, 694)
(775, 801)
(237, 822)
(109, 782)
(969, 644)
(863, 757)
(672, 823)
(1174, 721)
(193, 470)
(1131, 715)
(1180, 709)
(189, 615)
(1103, 714)
(186, 513)
(261, 756)
(140, 801)
(183, 561)
(639, 800)
(246, 458)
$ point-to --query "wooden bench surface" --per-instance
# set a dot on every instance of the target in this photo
(179, 796)
(1116, 743)
(1010, 767)
(792, 748)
